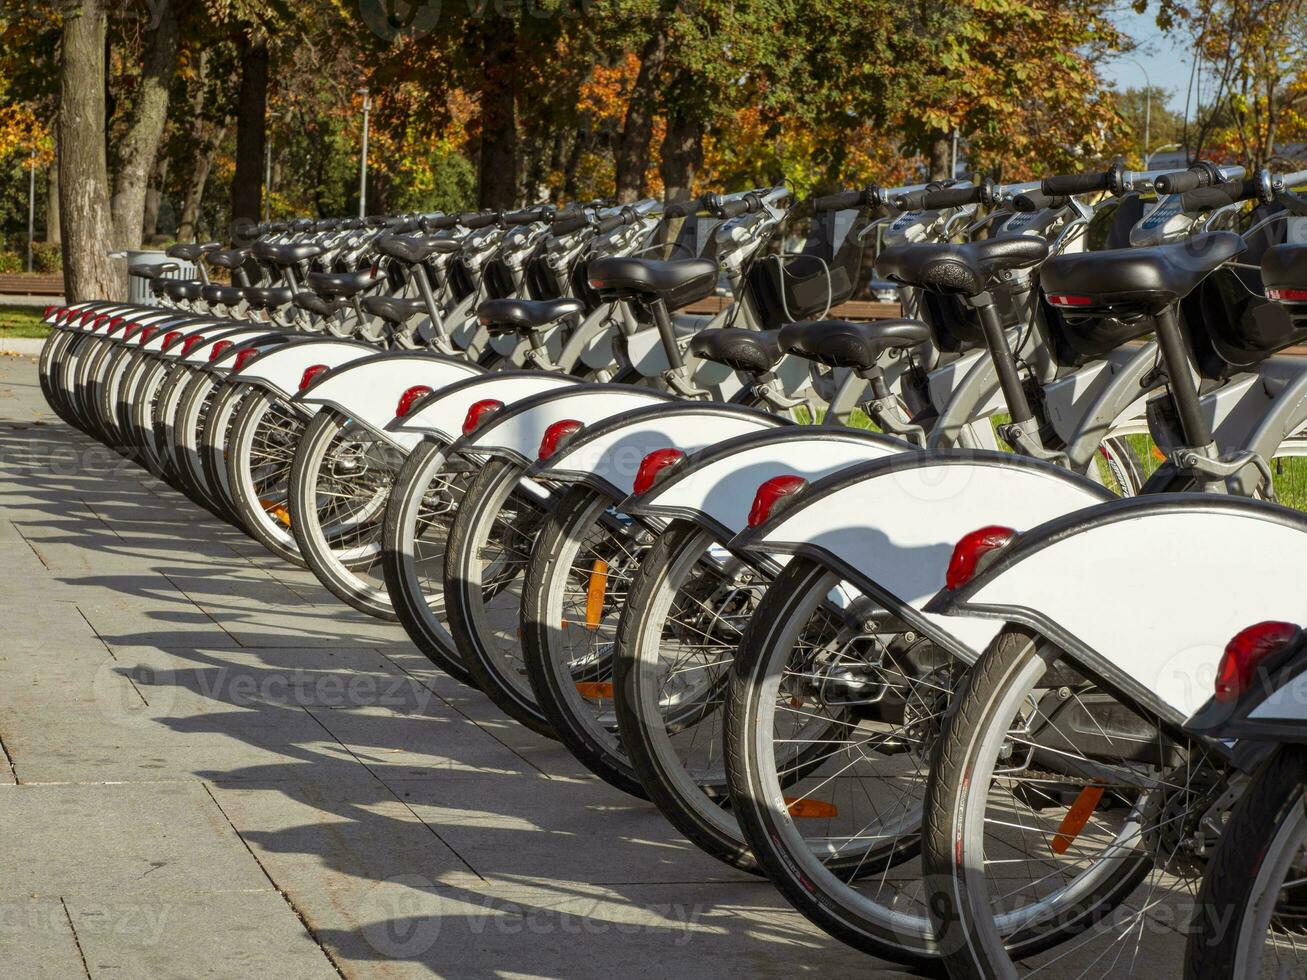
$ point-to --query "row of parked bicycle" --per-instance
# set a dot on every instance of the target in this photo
(1004, 682)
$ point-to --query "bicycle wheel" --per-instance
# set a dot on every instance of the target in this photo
(214, 438)
(577, 579)
(53, 353)
(685, 615)
(340, 480)
(427, 493)
(1052, 805)
(136, 413)
(117, 366)
(1254, 897)
(830, 712)
(485, 563)
(194, 406)
(260, 448)
(163, 417)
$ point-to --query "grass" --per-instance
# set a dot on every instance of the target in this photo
(22, 321)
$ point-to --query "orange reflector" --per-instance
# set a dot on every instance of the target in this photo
(594, 595)
(811, 808)
(595, 689)
(1076, 818)
(1158, 454)
(277, 510)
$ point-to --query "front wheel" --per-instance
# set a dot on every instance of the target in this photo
(1254, 895)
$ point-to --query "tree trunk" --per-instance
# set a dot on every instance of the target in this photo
(140, 144)
(682, 155)
(154, 198)
(941, 150)
(497, 164)
(632, 154)
(52, 203)
(204, 154)
(87, 226)
(251, 126)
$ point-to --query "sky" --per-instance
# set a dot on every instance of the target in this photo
(1166, 59)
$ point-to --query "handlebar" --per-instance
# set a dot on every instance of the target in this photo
(1201, 174)
(939, 198)
(1038, 201)
(726, 210)
(1068, 184)
(1226, 193)
(626, 216)
(527, 216)
(478, 219)
(440, 223)
(566, 222)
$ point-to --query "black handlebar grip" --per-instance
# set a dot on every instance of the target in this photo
(951, 197)
(1221, 195)
(1038, 201)
(604, 225)
(910, 201)
(1184, 180)
(567, 223)
(474, 219)
(839, 201)
(525, 217)
(440, 223)
(1069, 184)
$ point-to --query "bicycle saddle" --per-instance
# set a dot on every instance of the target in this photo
(317, 304)
(150, 270)
(750, 351)
(191, 251)
(342, 283)
(267, 297)
(414, 249)
(1146, 278)
(393, 309)
(218, 293)
(227, 258)
(287, 254)
(507, 315)
(676, 283)
(840, 343)
(965, 269)
(182, 289)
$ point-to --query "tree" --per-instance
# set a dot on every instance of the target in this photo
(251, 126)
(87, 225)
(139, 145)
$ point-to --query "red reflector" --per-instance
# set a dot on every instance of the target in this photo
(478, 412)
(1246, 652)
(100, 321)
(556, 437)
(771, 493)
(62, 315)
(410, 398)
(653, 465)
(170, 337)
(1065, 299)
(49, 310)
(146, 334)
(596, 284)
(968, 552)
(220, 348)
(1287, 295)
(88, 316)
(191, 342)
(115, 323)
(243, 357)
(311, 374)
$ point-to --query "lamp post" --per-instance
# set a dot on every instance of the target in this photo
(267, 171)
(1148, 105)
(1156, 150)
(363, 161)
(31, 206)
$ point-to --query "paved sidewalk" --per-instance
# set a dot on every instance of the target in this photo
(212, 767)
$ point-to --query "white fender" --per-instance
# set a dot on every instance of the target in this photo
(199, 354)
(367, 390)
(715, 487)
(99, 309)
(280, 369)
(516, 431)
(1148, 590)
(889, 526)
(155, 343)
(99, 323)
(443, 413)
(607, 456)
